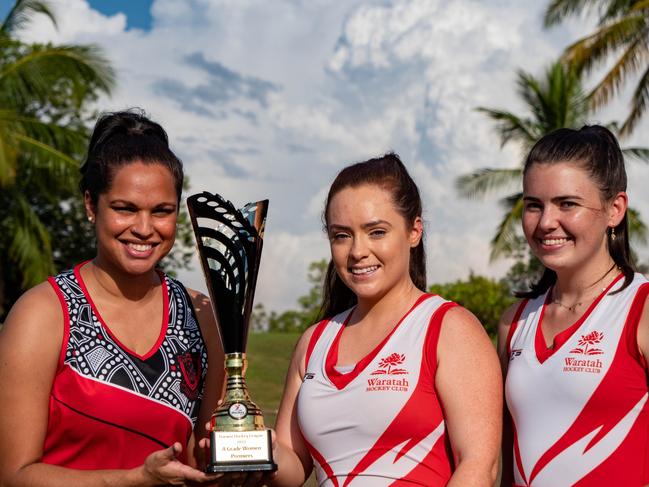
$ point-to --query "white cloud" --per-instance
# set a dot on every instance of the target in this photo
(350, 80)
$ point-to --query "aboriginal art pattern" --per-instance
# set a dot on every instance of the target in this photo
(105, 395)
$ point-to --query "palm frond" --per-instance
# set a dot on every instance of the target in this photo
(637, 228)
(33, 74)
(632, 59)
(637, 153)
(510, 127)
(588, 52)
(29, 242)
(485, 180)
(505, 240)
(20, 15)
(560, 9)
(638, 103)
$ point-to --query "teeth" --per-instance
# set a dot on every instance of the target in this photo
(140, 247)
(553, 241)
(364, 270)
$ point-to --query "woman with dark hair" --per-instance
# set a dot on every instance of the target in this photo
(395, 385)
(574, 349)
(104, 366)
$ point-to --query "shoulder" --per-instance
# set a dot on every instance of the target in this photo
(37, 313)
(461, 329)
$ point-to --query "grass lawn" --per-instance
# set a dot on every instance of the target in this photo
(268, 357)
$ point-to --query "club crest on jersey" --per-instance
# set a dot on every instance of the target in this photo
(586, 347)
(390, 365)
(190, 368)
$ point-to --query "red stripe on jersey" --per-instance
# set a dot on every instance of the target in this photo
(66, 322)
(326, 468)
(319, 329)
(623, 370)
(414, 423)
(631, 332)
(339, 379)
(112, 418)
(517, 454)
(514, 325)
(543, 352)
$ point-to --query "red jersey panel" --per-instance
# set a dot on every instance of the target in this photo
(110, 407)
(380, 424)
(579, 408)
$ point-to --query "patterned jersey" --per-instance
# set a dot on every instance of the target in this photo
(109, 406)
(579, 408)
(380, 424)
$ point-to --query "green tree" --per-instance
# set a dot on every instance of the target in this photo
(295, 320)
(622, 30)
(556, 100)
(486, 298)
(45, 90)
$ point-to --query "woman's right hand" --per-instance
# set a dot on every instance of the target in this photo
(163, 468)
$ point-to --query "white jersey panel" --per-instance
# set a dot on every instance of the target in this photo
(344, 424)
(547, 394)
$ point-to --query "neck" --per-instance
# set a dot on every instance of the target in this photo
(572, 286)
(396, 301)
(118, 284)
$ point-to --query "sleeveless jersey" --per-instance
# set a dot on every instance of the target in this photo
(110, 407)
(579, 409)
(380, 424)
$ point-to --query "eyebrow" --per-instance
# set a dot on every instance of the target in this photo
(556, 198)
(130, 203)
(364, 226)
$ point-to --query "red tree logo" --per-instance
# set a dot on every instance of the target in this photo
(388, 365)
(585, 341)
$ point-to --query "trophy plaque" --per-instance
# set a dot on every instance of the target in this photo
(229, 244)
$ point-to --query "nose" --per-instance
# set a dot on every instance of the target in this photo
(359, 248)
(143, 225)
(549, 218)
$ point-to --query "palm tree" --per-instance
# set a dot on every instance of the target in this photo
(557, 100)
(623, 29)
(44, 91)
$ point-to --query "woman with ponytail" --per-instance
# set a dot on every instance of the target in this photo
(394, 386)
(575, 349)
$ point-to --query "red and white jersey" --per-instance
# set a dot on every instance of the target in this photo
(380, 424)
(111, 407)
(579, 408)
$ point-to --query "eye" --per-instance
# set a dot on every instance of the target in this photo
(124, 209)
(378, 233)
(567, 205)
(531, 206)
(164, 211)
(338, 236)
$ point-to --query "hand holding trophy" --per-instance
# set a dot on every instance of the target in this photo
(229, 244)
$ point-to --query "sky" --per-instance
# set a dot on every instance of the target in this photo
(271, 99)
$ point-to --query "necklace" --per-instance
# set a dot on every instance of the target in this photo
(573, 307)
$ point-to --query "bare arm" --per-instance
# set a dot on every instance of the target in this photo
(30, 344)
(469, 385)
(643, 333)
(291, 453)
(507, 477)
(213, 389)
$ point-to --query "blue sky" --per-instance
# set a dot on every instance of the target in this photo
(138, 12)
(271, 99)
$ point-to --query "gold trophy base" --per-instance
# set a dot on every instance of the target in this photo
(239, 441)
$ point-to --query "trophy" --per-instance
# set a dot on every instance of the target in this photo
(229, 244)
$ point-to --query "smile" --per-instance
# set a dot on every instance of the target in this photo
(359, 271)
(553, 241)
(139, 247)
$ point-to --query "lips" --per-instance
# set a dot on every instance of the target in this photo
(139, 249)
(554, 241)
(362, 271)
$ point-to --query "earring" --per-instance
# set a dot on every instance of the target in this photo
(91, 219)
(613, 234)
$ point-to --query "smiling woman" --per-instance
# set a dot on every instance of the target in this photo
(575, 350)
(105, 365)
(395, 385)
